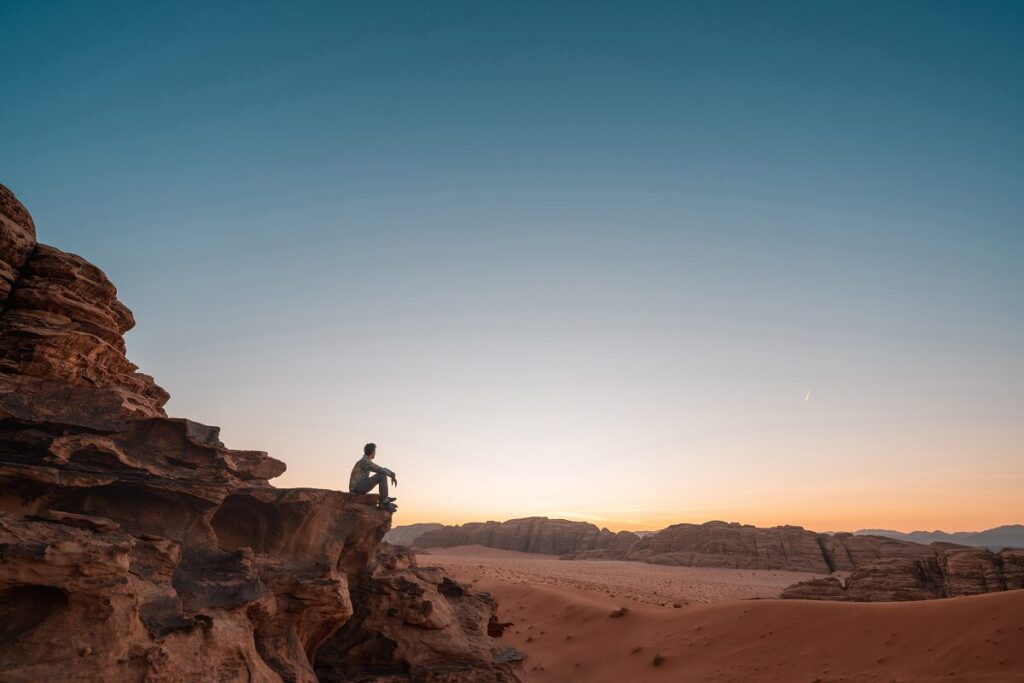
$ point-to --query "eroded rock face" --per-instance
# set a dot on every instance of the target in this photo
(137, 547)
(712, 544)
(793, 548)
(722, 544)
(87, 602)
(529, 535)
(417, 623)
(62, 330)
(941, 573)
(163, 555)
(17, 239)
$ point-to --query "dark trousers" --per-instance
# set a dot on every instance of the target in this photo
(368, 484)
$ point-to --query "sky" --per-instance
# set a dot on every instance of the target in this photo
(627, 263)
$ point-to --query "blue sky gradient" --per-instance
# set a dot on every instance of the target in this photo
(584, 259)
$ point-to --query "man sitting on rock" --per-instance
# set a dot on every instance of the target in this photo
(362, 481)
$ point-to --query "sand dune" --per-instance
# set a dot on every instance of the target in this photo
(567, 634)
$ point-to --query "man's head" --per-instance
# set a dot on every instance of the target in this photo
(370, 450)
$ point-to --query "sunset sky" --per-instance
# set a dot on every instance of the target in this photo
(630, 263)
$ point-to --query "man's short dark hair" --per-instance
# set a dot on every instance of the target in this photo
(369, 448)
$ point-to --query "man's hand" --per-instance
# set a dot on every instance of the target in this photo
(394, 479)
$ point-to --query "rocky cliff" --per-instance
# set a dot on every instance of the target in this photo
(940, 573)
(530, 535)
(742, 546)
(137, 547)
(712, 544)
(407, 615)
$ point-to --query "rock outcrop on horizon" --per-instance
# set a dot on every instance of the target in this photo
(742, 546)
(943, 573)
(712, 544)
(137, 547)
(530, 535)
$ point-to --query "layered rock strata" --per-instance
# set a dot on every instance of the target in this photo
(712, 544)
(742, 546)
(61, 335)
(137, 547)
(942, 573)
(417, 622)
(530, 535)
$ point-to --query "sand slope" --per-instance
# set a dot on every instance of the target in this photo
(568, 635)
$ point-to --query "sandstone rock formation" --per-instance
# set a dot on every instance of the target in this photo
(712, 544)
(17, 240)
(941, 573)
(530, 535)
(720, 544)
(416, 621)
(61, 335)
(742, 546)
(137, 547)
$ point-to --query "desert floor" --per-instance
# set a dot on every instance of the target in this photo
(560, 614)
(639, 582)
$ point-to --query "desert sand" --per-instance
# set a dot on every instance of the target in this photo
(640, 582)
(560, 614)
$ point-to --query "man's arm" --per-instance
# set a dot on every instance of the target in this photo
(377, 468)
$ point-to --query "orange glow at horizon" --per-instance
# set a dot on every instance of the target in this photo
(924, 493)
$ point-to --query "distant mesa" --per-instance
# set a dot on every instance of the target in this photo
(712, 544)
(532, 535)
(1008, 536)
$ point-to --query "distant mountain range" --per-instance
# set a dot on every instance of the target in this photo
(1009, 536)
